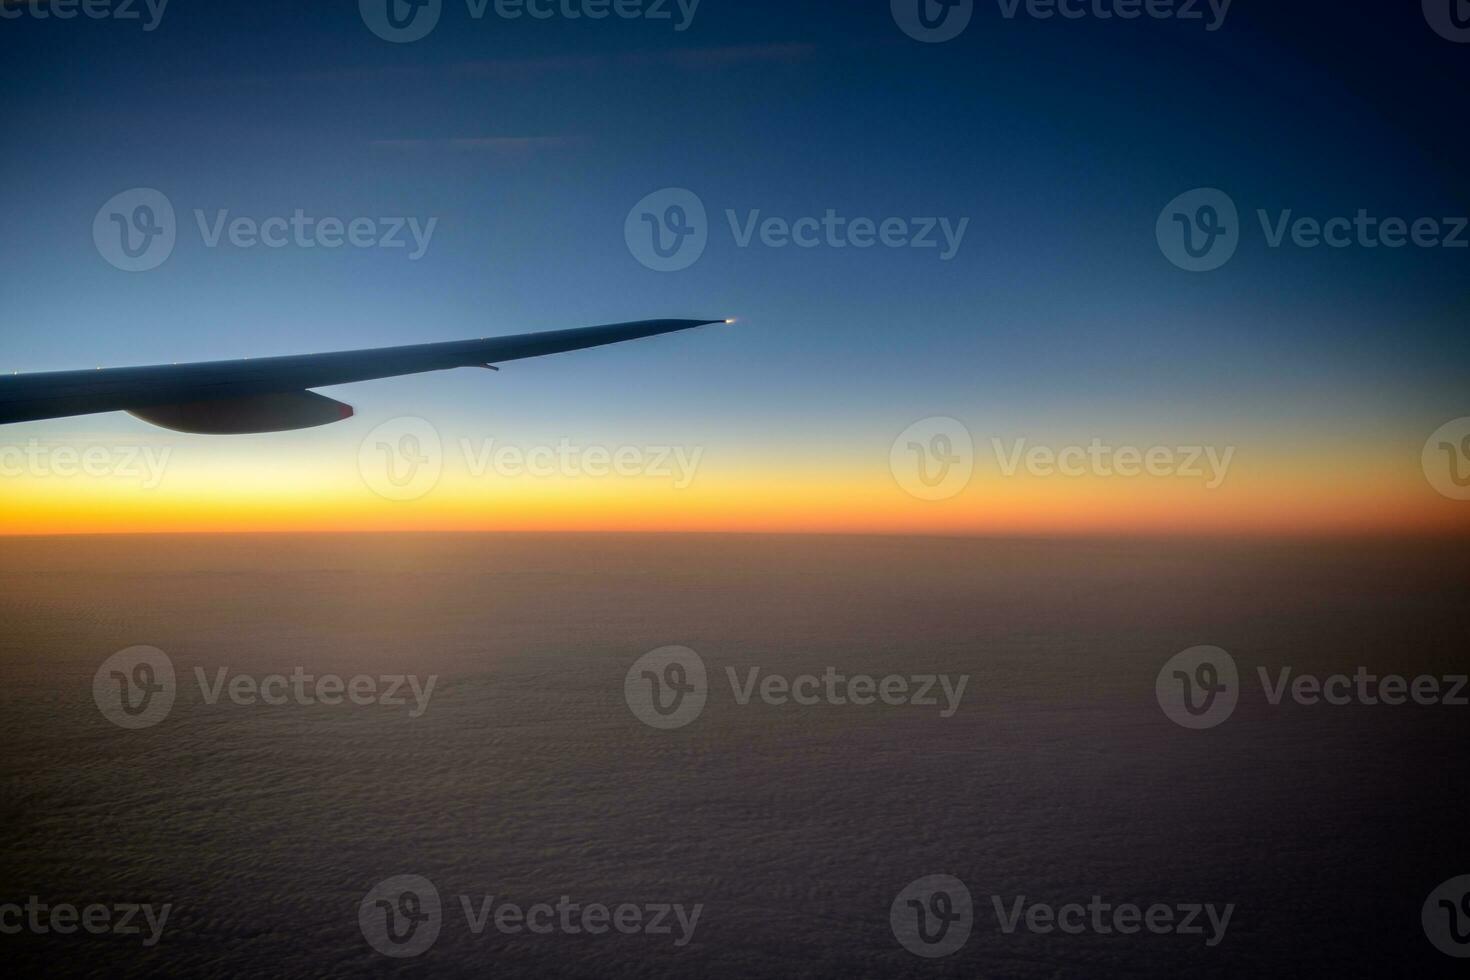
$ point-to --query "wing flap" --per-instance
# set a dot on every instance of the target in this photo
(275, 412)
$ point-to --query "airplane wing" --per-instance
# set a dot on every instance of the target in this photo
(270, 394)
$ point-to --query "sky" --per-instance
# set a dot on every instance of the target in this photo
(1291, 389)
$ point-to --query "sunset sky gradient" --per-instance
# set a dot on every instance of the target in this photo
(1059, 320)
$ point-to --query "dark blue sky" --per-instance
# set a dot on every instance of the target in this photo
(529, 141)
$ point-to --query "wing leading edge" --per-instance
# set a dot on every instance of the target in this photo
(269, 394)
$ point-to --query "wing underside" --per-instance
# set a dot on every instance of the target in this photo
(275, 412)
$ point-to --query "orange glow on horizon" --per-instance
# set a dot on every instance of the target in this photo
(1273, 496)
